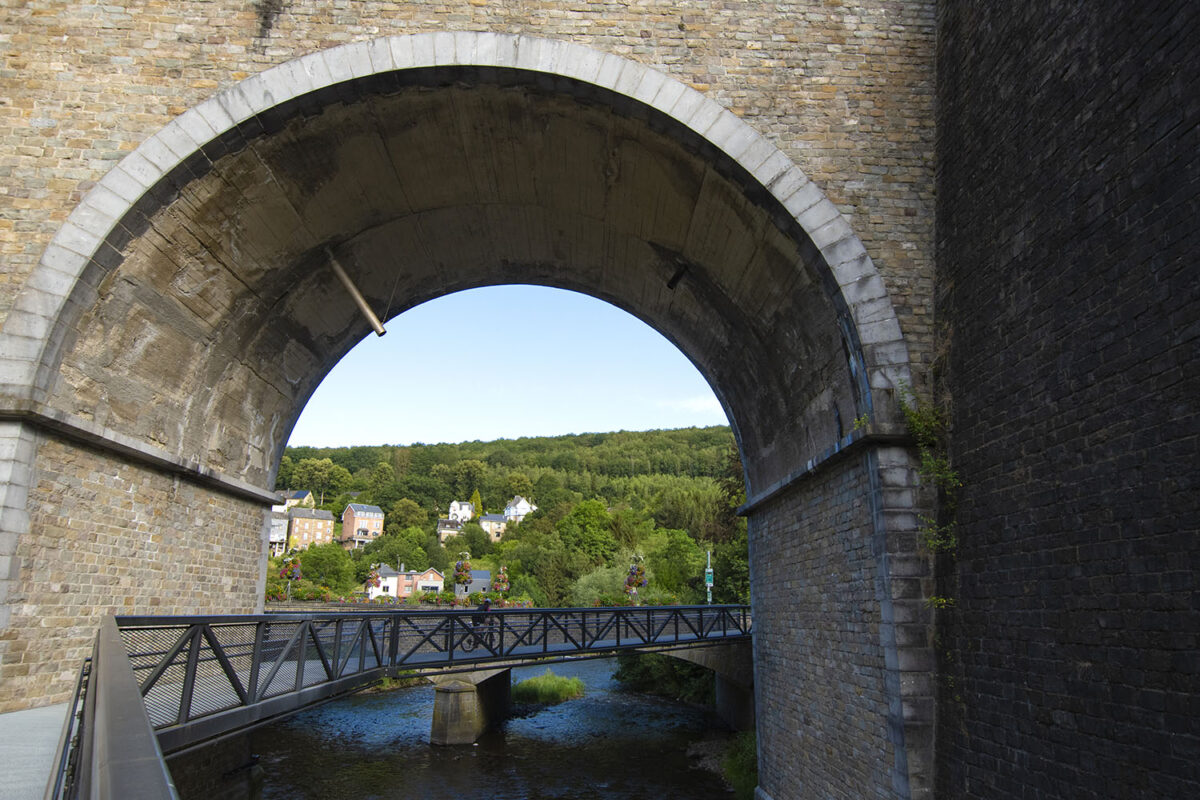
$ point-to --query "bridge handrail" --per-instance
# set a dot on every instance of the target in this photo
(161, 684)
(116, 753)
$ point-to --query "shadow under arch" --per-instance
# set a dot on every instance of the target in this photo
(186, 310)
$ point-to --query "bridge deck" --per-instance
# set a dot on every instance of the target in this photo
(203, 677)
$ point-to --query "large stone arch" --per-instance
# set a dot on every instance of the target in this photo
(168, 339)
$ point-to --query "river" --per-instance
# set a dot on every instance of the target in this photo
(611, 743)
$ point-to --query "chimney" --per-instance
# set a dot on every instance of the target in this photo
(402, 567)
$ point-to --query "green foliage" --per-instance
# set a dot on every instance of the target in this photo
(547, 688)
(588, 529)
(654, 673)
(477, 502)
(740, 765)
(678, 565)
(407, 514)
(600, 497)
(928, 425)
(320, 476)
(602, 583)
(395, 547)
(330, 566)
(472, 538)
(731, 570)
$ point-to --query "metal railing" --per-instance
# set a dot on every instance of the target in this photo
(195, 679)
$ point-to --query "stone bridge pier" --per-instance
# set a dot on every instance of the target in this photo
(732, 666)
(467, 704)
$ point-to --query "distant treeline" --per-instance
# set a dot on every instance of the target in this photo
(592, 464)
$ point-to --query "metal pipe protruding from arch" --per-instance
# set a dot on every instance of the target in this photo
(359, 300)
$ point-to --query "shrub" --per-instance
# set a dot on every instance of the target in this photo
(740, 765)
(547, 688)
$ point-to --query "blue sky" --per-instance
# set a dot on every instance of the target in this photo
(504, 362)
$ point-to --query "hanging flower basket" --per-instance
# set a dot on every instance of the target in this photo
(501, 583)
(290, 570)
(635, 579)
(462, 572)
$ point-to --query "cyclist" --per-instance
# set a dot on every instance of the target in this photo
(480, 623)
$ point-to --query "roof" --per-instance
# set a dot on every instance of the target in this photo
(361, 507)
(481, 575)
(386, 572)
(314, 513)
(449, 523)
(494, 518)
(298, 494)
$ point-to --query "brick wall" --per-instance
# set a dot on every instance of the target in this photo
(819, 665)
(844, 91)
(116, 538)
(1067, 242)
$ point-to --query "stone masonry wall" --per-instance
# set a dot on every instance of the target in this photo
(1067, 244)
(112, 537)
(823, 677)
(845, 90)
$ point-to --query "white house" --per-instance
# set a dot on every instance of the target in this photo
(518, 508)
(461, 510)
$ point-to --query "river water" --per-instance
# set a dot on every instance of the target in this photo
(611, 743)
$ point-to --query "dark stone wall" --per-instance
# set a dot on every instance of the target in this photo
(1067, 246)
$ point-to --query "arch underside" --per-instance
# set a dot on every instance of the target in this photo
(208, 313)
(221, 312)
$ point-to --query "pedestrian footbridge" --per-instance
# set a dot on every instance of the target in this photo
(158, 685)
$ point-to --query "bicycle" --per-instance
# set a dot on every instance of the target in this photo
(482, 632)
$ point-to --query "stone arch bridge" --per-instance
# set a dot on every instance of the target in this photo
(756, 181)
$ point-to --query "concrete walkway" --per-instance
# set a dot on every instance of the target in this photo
(28, 740)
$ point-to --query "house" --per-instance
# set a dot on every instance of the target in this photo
(309, 526)
(361, 523)
(518, 508)
(481, 581)
(493, 525)
(461, 510)
(299, 497)
(403, 584)
(447, 528)
(278, 537)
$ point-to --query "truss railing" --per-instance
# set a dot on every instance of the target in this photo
(200, 678)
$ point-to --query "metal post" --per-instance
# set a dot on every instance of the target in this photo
(355, 294)
(708, 577)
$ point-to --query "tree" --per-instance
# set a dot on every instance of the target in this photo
(629, 527)
(468, 476)
(328, 565)
(399, 546)
(731, 570)
(519, 484)
(406, 513)
(320, 475)
(679, 565)
(283, 478)
(477, 502)
(381, 484)
(588, 528)
(471, 538)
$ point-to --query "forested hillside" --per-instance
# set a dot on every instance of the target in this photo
(605, 500)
